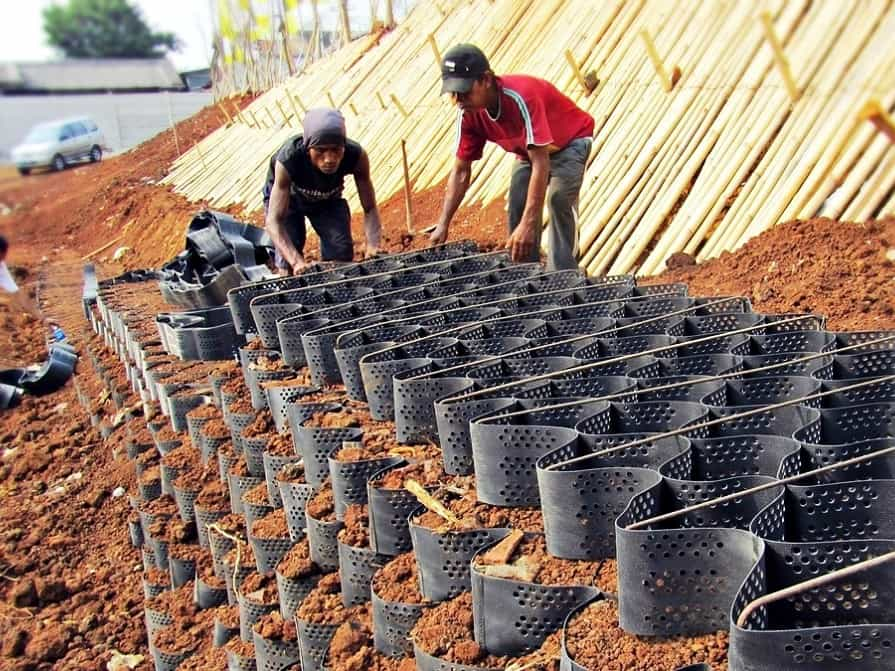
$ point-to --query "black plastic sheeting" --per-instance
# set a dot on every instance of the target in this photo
(47, 378)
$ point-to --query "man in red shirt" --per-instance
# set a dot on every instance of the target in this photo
(551, 137)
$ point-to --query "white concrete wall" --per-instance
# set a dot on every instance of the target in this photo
(126, 119)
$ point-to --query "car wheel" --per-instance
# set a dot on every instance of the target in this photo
(96, 154)
(24, 171)
(58, 163)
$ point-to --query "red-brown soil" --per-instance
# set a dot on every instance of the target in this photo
(476, 515)
(399, 581)
(351, 648)
(842, 270)
(297, 562)
(356, 531)
(596, 641)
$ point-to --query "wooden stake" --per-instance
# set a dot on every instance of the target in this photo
(294, 109)
(102, 249)
(226, 114)
(254, 118)
(570, 58)
(201, 157)
(282, 111)
(876, 114)
(780, 58)
(431, 503)
(304, 110)
(668, 81)
(381, 101)
(273, 121)
(398, 104)
(408, 206)
(329, 97)
(171, 121)
(352, 108)
(434, 46)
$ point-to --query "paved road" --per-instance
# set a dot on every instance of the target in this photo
(127, 119)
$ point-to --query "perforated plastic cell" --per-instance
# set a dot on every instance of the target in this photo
(443, 558)
(414, 402)
(791, 363)
(852, 423)
(731, 456)
(792, 341)
(389, 510)
(615, 347)
(392, 623)
(273, 463)
(866, 364)
(292, 591)
(239, 485)
(513, 617)
(254, 380)
(847, 338)
(588, 310)
(656, 306)
(313, 643)
(249, 613)
(627, 327)
(882, 391)
(316, 444)
(378, 382)
(323, 543)
(168, 661)
(678, 581)
(846, 624)
(645, 417)
(266, 315)
(185, 499)
(705, 364)
(772, 389)
(273, 654)
(252, 449)
(698, 390)
(254, 511)
(295, 497)
(505, 450)
(356, 568)
(879, 468)
(737, 513)
(675, 288)
(289, 333)
(580, 503)
(857, 510)
(796, 421)
(239, 299)
(280, 398)
(452, 420)
(349, 479)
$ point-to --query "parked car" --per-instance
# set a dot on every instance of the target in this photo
(56, 144)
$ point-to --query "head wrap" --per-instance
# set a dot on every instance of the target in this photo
(324, 126)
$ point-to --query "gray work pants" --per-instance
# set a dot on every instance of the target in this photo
(566, 173)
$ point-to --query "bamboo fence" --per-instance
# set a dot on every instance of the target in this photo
(748, 137)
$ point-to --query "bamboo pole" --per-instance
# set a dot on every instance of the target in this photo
(408, 205)
(667, 79)
(780, 58)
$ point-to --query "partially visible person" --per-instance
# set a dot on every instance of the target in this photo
(19, 298)
(305, 180)
(550, 136)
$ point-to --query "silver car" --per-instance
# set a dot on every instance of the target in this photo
(55, 144)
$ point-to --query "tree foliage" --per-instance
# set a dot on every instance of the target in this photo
(103, 29)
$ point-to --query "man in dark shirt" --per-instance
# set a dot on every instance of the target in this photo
(550, 136)
(305, 179)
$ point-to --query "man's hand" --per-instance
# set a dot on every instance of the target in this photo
(439, 235)
(522, 241)
(299, 265)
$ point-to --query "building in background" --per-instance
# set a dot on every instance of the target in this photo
(90, 75)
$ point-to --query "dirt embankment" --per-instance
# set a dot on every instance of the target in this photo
(843, 270)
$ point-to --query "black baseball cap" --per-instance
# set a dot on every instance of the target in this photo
(461, 66)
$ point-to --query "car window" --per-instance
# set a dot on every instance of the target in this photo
(66, 132)
(78, 128)
(43, 133)
(90, 126)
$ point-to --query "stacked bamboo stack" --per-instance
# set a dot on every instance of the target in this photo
(748, 137)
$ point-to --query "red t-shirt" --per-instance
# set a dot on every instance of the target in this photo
(532, 112)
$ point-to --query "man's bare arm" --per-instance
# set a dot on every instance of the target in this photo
(275, 223)
(458, 183)
(367, 194)
(525, 237)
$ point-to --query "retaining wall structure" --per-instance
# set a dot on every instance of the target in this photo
(737, 145)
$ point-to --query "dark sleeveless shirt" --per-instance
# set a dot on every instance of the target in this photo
(310, 187)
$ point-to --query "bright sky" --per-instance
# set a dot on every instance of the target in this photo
(22, 37)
